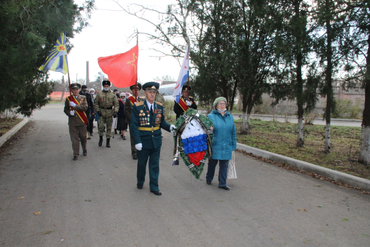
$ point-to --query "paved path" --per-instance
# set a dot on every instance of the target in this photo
(94, 201)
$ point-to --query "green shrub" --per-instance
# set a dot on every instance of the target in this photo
(345, 108)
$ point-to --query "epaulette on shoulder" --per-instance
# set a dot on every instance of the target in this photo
(139, 103)
(158, 103)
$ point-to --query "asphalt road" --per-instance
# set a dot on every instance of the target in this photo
(46, 199)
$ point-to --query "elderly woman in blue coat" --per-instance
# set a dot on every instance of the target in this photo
(224, 142)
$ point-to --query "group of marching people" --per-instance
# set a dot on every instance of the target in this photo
(145, 119)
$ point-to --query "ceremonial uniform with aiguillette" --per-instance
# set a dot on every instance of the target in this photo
(130, 102)
(146, 123)
(106, 105)
(185, 102)
(74, 108)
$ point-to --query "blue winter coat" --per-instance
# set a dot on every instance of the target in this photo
(224, 135)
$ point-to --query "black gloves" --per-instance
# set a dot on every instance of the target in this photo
(115, 115)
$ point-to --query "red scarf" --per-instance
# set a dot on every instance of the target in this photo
(132, 100)
(81, 114)
(183, 104)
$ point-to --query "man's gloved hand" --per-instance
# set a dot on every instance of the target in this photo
(73, 104)
(139, 146)
(100, 114)
(72, 113)
(115, 115)
(189, 103)
(172, 128)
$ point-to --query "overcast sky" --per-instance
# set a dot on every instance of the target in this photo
(108, 34)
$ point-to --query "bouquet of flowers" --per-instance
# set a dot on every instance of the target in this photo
(193, 141)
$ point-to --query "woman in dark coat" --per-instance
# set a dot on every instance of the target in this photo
(121, 125)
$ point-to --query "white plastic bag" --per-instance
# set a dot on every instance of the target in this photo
(231, 171)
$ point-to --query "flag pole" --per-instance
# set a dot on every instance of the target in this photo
(69, 84)
(188, 71)
(137, 67)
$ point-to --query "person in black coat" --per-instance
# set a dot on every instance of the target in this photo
(122, 125)
(90, 112)
(185, 102)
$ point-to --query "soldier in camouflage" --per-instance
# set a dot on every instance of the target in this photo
(106, 105)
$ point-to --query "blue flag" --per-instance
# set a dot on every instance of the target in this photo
(57, 58)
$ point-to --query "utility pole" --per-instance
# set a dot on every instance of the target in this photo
(87, 72)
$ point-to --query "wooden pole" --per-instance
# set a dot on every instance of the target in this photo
(64, 89)
(137, 67)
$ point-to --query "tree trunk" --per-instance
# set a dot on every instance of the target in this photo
(300, 141)
(248, 123)
(365, 136)
(327, 138)
(329, 89)
(244, 127)
(299, 92)
(246, 111)
(233, 96)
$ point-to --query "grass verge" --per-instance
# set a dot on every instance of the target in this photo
(7, 124)
(280, 138)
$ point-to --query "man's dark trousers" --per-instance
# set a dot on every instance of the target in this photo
(153, 155)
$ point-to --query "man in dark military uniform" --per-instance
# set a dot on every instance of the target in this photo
(75, 107)
(147, 121)
(90, 109)
(130, 101)
(106, 105)
(185, 102)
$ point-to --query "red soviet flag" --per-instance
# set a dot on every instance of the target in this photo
(121, 68)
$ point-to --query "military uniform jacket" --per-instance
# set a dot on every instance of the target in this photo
(75, 120)
(146, 129)
(179, 111)
(128, 108)
(107, 103)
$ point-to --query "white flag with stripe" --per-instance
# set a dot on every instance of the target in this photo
(183, 76)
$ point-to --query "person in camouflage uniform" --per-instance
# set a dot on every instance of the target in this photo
(106, 105)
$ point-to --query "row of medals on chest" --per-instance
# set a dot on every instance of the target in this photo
(144, 117)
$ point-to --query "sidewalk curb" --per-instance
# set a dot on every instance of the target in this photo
(11, 132)
(305, 166)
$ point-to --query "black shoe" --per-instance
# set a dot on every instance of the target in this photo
(91, 134)
(75, 157)
(134, 157)
(209, 182)
(85, 152)
(140, 187)
(108, 145)
(88, 138)
(224, 187)
(124, 137)
(100, 141)
(156, 192)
